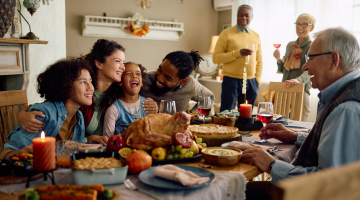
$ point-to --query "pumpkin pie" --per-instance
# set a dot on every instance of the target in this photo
(213, 131)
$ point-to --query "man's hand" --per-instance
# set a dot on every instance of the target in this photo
(278, 131)
(291, 82)
(28, 121)
(257, 156)
(245, 52)
(97, 139)
(150, 106)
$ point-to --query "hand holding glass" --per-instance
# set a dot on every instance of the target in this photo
(265, 114)
(204, 105)
(250, 48)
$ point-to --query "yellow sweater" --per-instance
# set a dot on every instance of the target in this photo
(227, 52)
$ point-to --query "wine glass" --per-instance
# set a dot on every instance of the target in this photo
(204, 105)
(265, 114)
(250, 48)
(168, 107)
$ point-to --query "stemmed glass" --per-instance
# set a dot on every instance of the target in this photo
(265, 114)
(204, 105)
(277, 45)
(250, 48)
(168, 107)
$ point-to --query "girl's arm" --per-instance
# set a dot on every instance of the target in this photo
(110, 118)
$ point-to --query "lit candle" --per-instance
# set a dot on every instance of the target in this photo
(245, 110)
(44, 153)
(243, 95)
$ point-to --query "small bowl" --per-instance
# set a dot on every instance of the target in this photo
(210, 157)
(225, 121)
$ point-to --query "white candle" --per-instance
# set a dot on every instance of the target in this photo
(244, 82)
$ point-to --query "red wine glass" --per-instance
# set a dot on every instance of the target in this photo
(265, 114)
(204, 105)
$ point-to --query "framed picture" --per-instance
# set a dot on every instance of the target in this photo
(225, 26)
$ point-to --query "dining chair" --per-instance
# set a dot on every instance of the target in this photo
(288, 101)
(10, 102)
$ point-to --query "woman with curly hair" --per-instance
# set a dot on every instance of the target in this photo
(65, 85)
(127, 106)
(107, 60)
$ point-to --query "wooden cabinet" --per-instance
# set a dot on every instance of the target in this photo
(15, 63)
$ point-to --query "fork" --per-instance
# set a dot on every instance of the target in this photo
(131, 186)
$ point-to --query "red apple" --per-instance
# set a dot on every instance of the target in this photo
(115, 143)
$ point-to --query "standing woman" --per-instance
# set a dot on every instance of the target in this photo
(294, 59)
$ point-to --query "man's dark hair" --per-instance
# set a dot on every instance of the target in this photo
(184, 62)
(56, 82)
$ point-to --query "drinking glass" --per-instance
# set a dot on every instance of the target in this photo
(168, 107)
(250, 48)
(204, 105)
(265, 114)
(64, 148)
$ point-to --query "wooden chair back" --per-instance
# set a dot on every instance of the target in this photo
(9, 111)
(288, 101)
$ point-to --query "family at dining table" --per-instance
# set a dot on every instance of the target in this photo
(93, 97)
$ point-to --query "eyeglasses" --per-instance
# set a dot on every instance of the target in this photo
(307, 57)
(304, 25)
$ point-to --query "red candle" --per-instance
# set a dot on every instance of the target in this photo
(44, 153)
(245, 110)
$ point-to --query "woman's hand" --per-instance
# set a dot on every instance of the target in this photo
(276, 53)
(291, 82)
(28, 121)
(97, 139)
(150, 106)
(27, 149)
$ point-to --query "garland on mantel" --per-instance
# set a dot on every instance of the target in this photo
(138, 31)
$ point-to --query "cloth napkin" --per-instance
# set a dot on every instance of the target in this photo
(91, 147)
(186, 178)
(244, 145)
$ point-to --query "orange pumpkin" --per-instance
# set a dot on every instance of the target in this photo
(138, 161)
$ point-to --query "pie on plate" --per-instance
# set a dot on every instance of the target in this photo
(213, 131)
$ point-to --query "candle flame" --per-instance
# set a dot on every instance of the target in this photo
(246, 102)
(42, 135)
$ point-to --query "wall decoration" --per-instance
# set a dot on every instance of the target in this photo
(227, 25)
(7, 12)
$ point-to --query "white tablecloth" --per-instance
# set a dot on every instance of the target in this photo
(227, 186)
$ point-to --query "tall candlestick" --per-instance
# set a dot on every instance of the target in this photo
(243, 95)
(44, 153)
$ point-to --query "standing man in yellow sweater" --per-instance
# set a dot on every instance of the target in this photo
(231, 50)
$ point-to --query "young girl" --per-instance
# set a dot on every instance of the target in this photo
(65, 85)
(127, 108)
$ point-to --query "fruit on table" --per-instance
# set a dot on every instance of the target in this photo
(138, 161)
(201, 146)
(125, 152)
(115, 143)
(194, 148)
(159, 153)
(198, 140)
(184, 140)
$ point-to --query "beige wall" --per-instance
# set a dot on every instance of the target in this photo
(223, 18)
(199, 18)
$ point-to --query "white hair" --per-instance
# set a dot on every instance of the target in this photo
(245, 6)
(342, 41)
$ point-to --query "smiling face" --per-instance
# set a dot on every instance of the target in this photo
(131, 79)
(303, 32)
(244, 16)
(83, 90)
(318, 66)
(112, 69)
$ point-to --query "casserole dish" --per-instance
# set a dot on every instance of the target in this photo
(99, 176)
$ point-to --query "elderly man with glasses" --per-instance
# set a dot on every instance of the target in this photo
(333, 63)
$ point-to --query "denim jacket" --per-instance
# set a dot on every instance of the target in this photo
(55, 115)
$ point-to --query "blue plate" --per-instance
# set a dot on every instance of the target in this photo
(147, 177)
(275, 149)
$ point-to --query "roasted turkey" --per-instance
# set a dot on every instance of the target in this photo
(156, 130)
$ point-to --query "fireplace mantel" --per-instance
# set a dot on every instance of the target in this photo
(15, 63)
